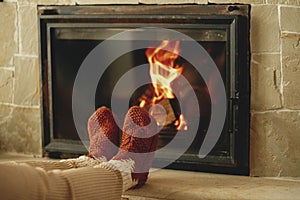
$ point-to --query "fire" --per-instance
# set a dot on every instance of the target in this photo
(163, 71)
(181, 123)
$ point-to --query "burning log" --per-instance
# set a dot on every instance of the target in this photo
(163, 71)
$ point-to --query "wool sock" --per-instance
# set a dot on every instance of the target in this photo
(139, 142)
(103, 133)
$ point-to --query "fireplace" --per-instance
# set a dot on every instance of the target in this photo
(69, 33)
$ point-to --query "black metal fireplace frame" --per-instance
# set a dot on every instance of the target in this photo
(235, 19)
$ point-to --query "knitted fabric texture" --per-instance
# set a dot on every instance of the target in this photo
(82, 161)
(138, 138)
(22, 181)
(124, 167)
(103, 133)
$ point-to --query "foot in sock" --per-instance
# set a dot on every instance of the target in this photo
(103, 133)
(138, 143)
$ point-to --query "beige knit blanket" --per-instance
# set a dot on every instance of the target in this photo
(59, 180)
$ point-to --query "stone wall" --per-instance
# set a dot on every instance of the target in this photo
(275, 97)
(20, 129)
(275, 77)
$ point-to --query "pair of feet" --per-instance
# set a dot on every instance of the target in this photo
(138, 140)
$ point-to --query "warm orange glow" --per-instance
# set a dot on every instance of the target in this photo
(142, 103)
(163, 71)
(181, 123)
(209, 89)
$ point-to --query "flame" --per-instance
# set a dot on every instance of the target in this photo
(163, 71)
(142, 103)
(181, 123)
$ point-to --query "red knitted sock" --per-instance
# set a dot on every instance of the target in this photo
(138, 141)
(103, 133)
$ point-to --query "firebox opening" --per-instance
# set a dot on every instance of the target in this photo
(71, 53)
(223, 35)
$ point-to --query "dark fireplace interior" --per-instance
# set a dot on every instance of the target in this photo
(69, 33)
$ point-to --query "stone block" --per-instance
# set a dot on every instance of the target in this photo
(290, 19)
(8, 33)
(291, 70)
(264, 28)
(201, 1)
(6, 85)
(265, 82)
(278, 1)
(65, 2)
(20, 130)
(94, 2)
(26, 81)
(275, 142)
(38, 2)
(238, 1)
(28, 29)
(294, 2)
(167, 1)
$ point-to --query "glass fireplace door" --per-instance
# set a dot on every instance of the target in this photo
(67, 42)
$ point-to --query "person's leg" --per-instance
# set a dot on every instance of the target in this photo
(103, 181)
(125, 168)
(57, 180)
(22, 181)
(137, 148)
(103, 134)
(82, 161)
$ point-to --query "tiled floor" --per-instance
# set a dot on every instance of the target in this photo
(183, 185)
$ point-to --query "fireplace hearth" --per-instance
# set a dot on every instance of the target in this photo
(69, 33)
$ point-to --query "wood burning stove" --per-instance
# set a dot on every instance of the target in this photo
(69, 33)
